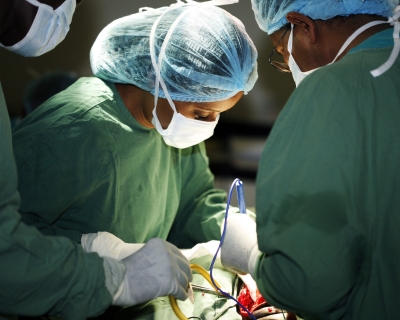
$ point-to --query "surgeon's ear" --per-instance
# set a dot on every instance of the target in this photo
(306, 25)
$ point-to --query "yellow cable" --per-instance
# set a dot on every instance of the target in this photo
(176, 309)
(206, 275)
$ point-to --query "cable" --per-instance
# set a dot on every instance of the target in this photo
(242, 209)
(205, 274)
(219, 247)
(209, 276)
(176, 309)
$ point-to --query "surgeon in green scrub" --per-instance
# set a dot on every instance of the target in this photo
(123, 151)
(328, 184)
(41, 275)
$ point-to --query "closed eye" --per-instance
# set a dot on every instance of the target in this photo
(201, 116)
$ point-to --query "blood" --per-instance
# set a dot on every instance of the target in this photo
(246, 300)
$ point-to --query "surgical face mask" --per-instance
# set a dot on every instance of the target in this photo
(48, 29)
(182, 132)
(299, 75)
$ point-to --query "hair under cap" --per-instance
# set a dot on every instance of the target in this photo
(271, 14)
(209, 56)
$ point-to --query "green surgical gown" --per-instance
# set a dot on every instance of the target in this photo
(86, 165)
(41, 274)
(328, 192)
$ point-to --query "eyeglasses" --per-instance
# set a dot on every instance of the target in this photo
(280, 66)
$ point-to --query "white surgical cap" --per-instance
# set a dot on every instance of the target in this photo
(209, 56)
(271, 14)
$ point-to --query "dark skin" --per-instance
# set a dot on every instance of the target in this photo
(140, 104)
(316, 42)
(17, 16)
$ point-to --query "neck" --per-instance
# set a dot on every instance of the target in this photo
(336, 35)
(138, 102)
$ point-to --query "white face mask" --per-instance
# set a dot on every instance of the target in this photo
(48, 29)
(299, 75)
(182, 132)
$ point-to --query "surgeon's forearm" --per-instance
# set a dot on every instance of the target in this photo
(278, 285)
(49, 275)
(262, 279)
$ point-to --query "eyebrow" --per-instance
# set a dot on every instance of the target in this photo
(205, 108)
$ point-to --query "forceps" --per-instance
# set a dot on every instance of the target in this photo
(207, 290)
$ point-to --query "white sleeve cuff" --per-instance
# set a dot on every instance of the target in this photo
(87, 241)
(114, 272)
(255, 256)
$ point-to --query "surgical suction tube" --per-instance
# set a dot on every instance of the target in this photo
(205, 274)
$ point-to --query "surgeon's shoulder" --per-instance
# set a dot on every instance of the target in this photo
(91, 87)
(84, 94)
(330, 77)
(69, 104)
(332, 86)
(79, 113)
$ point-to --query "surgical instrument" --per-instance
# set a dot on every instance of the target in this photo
(206, 275)
(207, 290)
(240, 196)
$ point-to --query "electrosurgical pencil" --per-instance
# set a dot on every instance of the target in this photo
(242, 209)
(240, 196)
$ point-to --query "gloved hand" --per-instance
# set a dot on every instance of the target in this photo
(158, 269)
(240, 247)
(108, 245)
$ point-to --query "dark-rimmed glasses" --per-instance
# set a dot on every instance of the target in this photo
(280, 66)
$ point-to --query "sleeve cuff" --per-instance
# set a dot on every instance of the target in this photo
(255, 257)
(114, 271)
(87, 241)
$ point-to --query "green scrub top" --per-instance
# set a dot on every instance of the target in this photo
(327, 192)
(86, 165)
(41, 274)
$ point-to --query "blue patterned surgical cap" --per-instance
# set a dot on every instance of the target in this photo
(271, 14)
(209, 56)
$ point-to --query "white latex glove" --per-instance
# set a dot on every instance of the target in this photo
(158, 269)
(240, 248)
(108, 245)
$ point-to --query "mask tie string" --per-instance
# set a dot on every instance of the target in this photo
(396, 48)
(355, 35)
